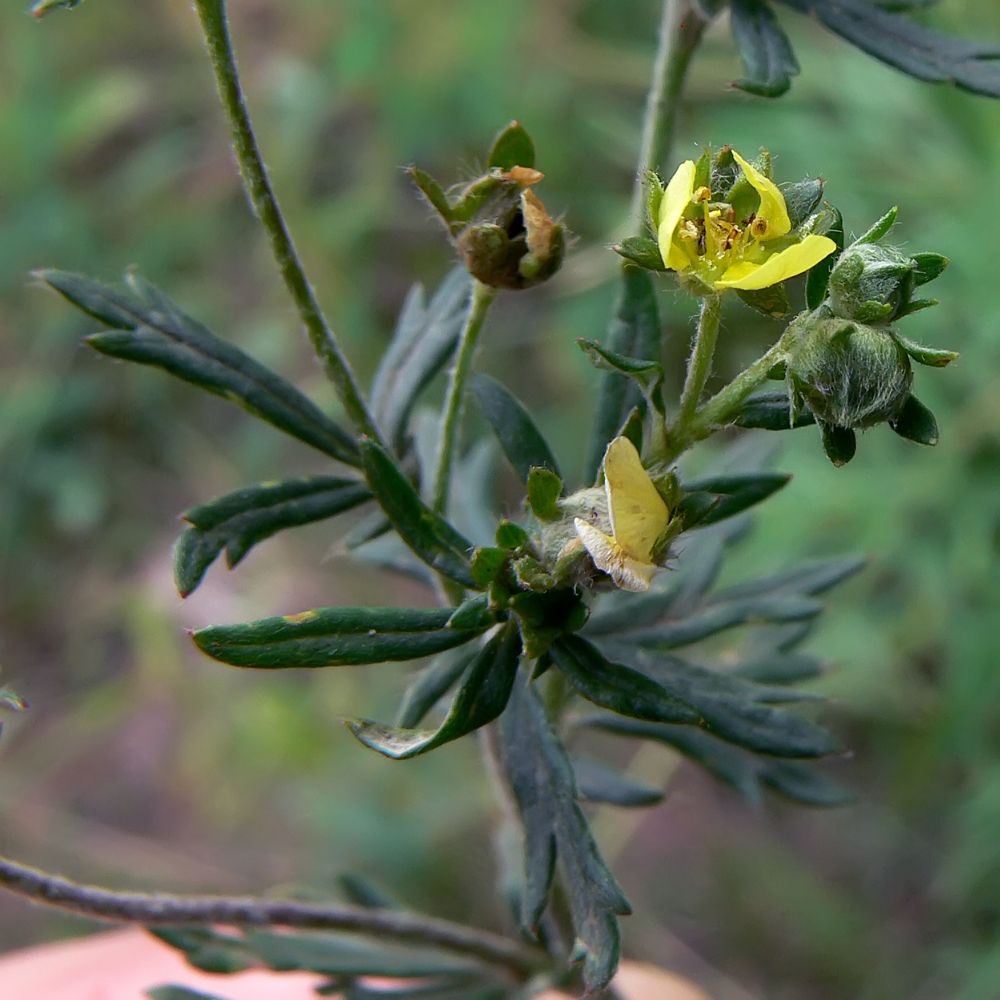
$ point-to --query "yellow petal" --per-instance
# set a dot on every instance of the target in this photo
(772, 201)
(675, 199)
(627, 573)
(778, 267)
(637, 511)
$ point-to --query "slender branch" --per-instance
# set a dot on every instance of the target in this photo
(214, 23)
(159, 909)
(681, 28)
(720, 409)
(699, 364)
(482, 296)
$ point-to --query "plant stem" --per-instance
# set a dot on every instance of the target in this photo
(482, 296)
(153, 909)
(681, 28)
(699, 366)
(214, 23)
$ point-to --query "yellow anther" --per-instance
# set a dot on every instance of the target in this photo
(759, 227)
(702, 194)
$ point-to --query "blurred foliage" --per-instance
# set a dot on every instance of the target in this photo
(144, 763)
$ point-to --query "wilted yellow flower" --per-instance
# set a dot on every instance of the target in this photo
(637, 515)
(702, 237)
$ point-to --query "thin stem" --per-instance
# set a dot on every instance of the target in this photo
(153, 909)
(699, 364)
(681, 28)
(482, 296)
(214, 23)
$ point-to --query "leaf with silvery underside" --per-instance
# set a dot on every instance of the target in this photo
(768, 60)
(616, 686)
(747, 772)
(634, 332)
(910, 47)
(541, 780)
(737, 710)
(428, 534)
(239, 520)
(771, 410)
(430, 685)
(425, 338)
(343, 636)
(596, 782)
(520, 439)
(149, 329)
(813, 577)
(484, 691)
(716, 498)
(779, 668)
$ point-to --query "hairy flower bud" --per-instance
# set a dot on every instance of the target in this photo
(871, 283)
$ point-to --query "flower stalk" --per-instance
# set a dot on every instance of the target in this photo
(699, 367)
(215, 26)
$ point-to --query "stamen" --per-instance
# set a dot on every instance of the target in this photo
(759, 227)
(702, 194)
(687, 230)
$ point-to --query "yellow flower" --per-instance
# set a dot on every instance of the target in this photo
(637, 515)
(702, 237)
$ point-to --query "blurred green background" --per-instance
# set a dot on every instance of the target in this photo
(143, 764)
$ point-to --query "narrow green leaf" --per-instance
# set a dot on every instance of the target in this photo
(432, 191)
(928, 266)
(542, 782)
(149, 329)
(770, 410)
(424, 340)
(915, 422)
(804, 784)
(813, 577)
(596, 782)
(715, 498)
(363, 891)
(179, 992)
(520, 439)
(512, 148)
(768, 59)
(634, 332)
(206, 949)
(455, 988)
(839, 443)
(933, 357)
(435, 541)
(239, 520)
(615, 686)
(430, 685)
(641, 251)
(881, 228)
(336, 637)
(779, 668)
(486, 686)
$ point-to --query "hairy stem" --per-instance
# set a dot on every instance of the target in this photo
(681, 28)
(451, 415)
(215, 25)
(159, 909)
(699, 366)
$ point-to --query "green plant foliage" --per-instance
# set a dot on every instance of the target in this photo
(768, 59)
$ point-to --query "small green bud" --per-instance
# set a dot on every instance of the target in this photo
(849, 374)
(872, 283)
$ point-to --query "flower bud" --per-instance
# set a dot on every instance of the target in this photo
(872, 283)
(849, 374)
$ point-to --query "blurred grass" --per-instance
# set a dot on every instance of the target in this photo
(141, 763)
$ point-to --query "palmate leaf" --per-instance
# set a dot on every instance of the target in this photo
(768, 59)
(747, 772)
(149, 329)
(542, 783)
(331, 637)
(918, 51)
(486, 686)
(635, 332)
(425, 338)
(239, 520)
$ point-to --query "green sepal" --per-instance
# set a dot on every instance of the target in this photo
(839, 443)
(914, 305)
(714, 498)
(654, 198)
(512, 536)
(546, 616)
(596, 782)
(330, 637)
(239, 520)
(772, 301)
(487, 564)
(641, 251)
(433, 192)
(768, 59)
(915, 422)
(818, 278)
(520, 439)
(770, 410)
(881, 228)
(703, 170)
(544, 490)
(615, 686)
(933, 357)
(428, 534)
(928, 266)
(872, 312)
(149, 329)
(802, 199)
(485, 688)
(512, 148)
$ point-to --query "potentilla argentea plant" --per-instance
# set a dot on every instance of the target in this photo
(590, 607)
